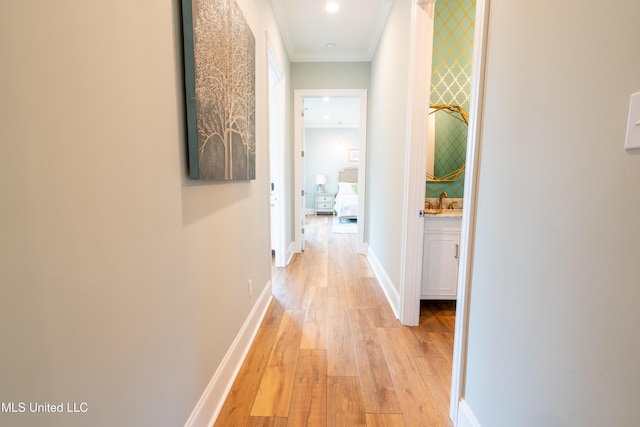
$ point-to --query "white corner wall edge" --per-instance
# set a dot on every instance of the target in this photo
(290, 252)
(211, 401)
(465, 416)
(385, 282)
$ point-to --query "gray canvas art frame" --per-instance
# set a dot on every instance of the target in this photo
(219, 51)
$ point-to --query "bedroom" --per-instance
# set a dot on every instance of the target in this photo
(331, 145)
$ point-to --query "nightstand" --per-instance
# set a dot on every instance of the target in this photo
(324, 203)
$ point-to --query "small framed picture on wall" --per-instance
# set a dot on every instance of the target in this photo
(354, 154)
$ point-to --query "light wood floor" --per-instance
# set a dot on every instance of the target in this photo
(330, 352)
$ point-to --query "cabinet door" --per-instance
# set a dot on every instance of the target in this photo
(440, 265)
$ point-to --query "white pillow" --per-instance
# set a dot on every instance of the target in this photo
(345, 188)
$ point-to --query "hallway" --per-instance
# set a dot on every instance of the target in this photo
(331, 353)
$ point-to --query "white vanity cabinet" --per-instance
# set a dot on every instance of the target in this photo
(440, 257)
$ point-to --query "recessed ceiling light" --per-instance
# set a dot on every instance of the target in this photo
(326, 99)
(330, 45)
(332, 7)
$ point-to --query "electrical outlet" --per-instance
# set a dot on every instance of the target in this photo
(250, 287)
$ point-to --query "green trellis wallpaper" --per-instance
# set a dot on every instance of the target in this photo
(451, 84)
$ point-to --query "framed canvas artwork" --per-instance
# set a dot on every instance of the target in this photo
(219, 53)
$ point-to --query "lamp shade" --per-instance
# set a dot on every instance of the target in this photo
(321, 179)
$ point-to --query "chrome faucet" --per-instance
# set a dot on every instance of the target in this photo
(442, 195)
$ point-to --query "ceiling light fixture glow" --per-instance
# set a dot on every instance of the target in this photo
(332, 7)
(330, 45)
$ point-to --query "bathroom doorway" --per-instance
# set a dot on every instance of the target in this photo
(422, 37)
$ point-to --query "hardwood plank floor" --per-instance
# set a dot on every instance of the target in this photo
(330, 351)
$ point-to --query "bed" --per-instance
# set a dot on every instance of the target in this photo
(346, 205)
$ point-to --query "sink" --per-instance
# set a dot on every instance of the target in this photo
(431, 209)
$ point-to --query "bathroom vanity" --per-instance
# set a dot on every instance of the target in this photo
(441, 255)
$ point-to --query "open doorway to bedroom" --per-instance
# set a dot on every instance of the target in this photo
(330, 141)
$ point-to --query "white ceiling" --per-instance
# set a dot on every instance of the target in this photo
(354, 29)
(335, 112)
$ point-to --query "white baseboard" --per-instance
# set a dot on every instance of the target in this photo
(364, 248)
(385, 282)
(465, 416)
(211, 401)
(290, 252)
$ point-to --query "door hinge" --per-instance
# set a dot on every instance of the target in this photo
(302, 193)
(302, 153)
(421, 214)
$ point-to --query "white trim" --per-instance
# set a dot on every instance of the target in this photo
(208, 407)
(299, 94)
(382, 16)
(465, 416)
(415, 165)
(290, 251)
(385, 282)
(474, 140)
(361, 247)
(277, 157)
(281, 19)
(298, 170)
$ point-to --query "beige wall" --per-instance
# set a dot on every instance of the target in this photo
(555, 287)
(330, 75)
(387, 135)
(123, 282)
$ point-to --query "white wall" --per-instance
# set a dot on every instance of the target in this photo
(387, 138)
(326, 152)
(123, 282)
(555, 286)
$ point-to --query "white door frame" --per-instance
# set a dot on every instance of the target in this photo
(299, 94)
(276, 113)
(415, 160)
(413, 227)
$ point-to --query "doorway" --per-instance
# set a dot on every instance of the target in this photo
(422, 32)
(306, 191)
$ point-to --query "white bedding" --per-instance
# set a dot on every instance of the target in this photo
(346, 204)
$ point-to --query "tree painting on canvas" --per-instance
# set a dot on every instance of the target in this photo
(220, 90)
